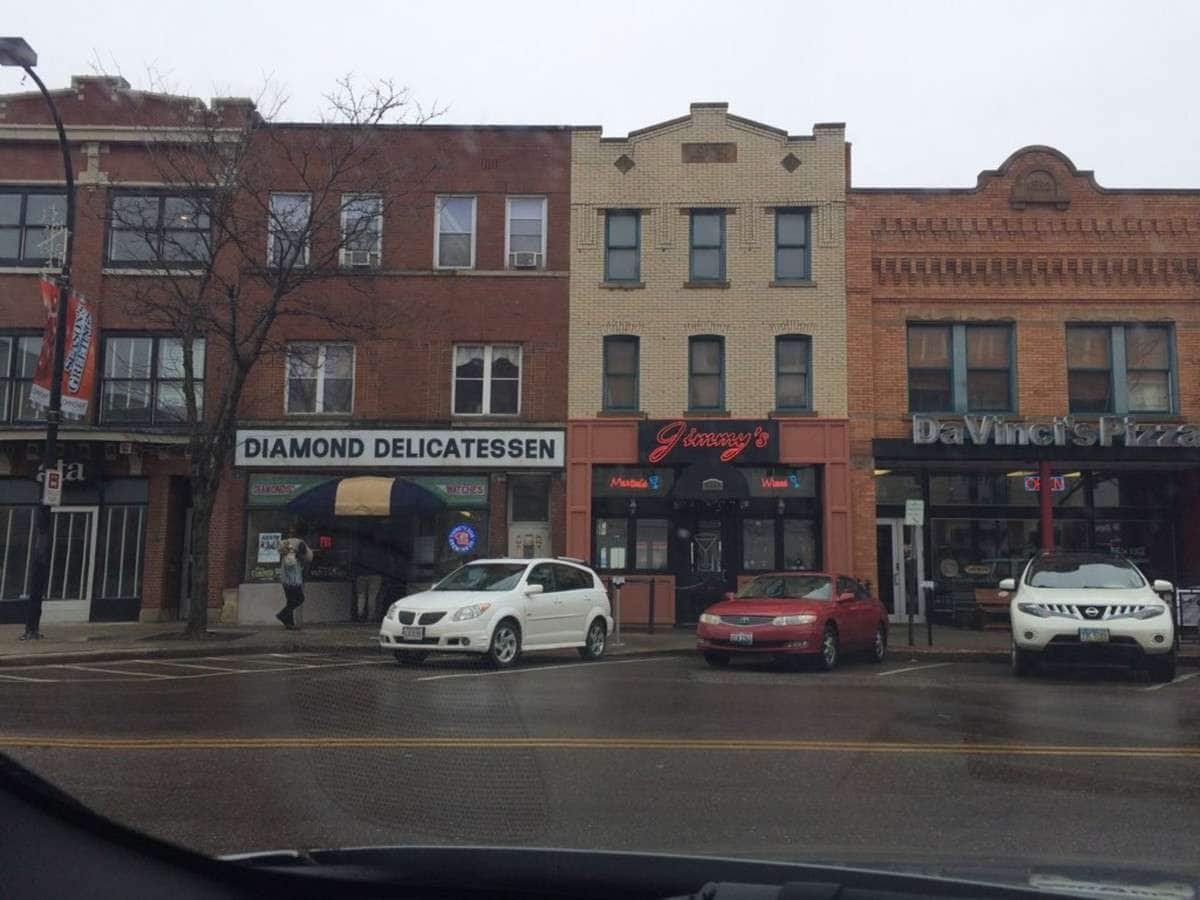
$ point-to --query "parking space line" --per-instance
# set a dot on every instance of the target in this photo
(1177, 680)
(913, 669)
(115, 671)
(163, 662)
(555, 668)
(23, 678)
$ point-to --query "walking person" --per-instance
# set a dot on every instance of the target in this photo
(294, 557)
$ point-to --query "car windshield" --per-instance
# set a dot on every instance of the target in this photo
(787, 587)
(1068, 573)
(482, 577)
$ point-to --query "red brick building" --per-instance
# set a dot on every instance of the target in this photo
(461, 397)
(1036, 334)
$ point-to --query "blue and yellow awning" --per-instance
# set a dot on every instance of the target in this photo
(365, 495)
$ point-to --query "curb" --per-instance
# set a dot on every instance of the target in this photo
(916, 654)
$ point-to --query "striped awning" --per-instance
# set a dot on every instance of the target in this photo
(365, 495)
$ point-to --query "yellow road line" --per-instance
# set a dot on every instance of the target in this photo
(566, 743)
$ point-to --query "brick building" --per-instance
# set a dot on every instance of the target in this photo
(1024, 365)
(460, 397)
(707, 307)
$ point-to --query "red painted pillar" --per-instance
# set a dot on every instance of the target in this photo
(1044, 498)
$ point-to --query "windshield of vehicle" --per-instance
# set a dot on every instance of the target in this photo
(482, 577)
(788, 587)
(1070, 573)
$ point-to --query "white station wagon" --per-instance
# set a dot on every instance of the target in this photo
(501, 608)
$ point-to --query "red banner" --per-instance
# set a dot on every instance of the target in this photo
(79, 353)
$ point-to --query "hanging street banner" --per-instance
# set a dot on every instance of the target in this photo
(79, 353)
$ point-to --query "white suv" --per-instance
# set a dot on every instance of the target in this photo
(501, 607)
(1090, 608)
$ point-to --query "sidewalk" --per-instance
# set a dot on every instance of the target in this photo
(128, 640)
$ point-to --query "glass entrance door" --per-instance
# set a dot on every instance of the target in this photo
(72, 564)
(704, 569)
(900, 562)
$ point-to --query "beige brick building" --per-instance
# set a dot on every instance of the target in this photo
(767, 169)
(708, 296)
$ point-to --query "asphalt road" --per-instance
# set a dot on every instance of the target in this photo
(904, 763)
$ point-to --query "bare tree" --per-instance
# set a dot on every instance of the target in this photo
(257, 215)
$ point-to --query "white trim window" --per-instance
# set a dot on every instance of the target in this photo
(362, 230)
(288, 230)
(454, 232)
(487, 380)
(525, 232)
(320, 379)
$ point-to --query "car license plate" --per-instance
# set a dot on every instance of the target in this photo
(412, 632)
(1093, 635)
(741, 637)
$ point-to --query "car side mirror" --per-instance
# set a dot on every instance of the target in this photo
(728, 595)
(1162, 586)
(531, 589)
(845, 597)
(1008, 584)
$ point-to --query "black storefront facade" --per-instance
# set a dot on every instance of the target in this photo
(965, 502)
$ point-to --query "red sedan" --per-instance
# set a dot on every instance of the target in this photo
(820, 614)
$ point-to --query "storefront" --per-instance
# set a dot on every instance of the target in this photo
(391, 511)
(99, 566)
(695, 507)
(960, 505)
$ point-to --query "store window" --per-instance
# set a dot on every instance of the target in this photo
(970, 554)
(706, 373)
(1120, 368)
(32, 227)
(622, 240)
(157, 229)
(651, 543)
(320, 378)
(894, 488)
(143, 380)
(18, 360)
(487, 379)
(800, 544)
(1143, 489)
(16, 529)
(961, 368)
(612, 542)
(793, 388)
(288, 230)
(454, 238)
(758, 545)
(621, 372)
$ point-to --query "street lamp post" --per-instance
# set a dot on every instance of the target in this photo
(15, 51)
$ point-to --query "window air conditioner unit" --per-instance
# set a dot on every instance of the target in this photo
(525, 259)
(361, 259)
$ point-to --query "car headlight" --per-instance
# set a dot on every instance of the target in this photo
(393, 609)
(710, 619)
(799, 619)
(1149, 612)
(474, 611)
(1034, 610)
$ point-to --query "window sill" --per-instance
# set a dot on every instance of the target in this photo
(339, 416)
(796, 283)
(620, 414)
(155, 273)
(707, 413)
(706, 285)
(791, 413)
(476, 418)
(9, 269)
(622, 285)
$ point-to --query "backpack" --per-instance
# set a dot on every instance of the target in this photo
(291, 567)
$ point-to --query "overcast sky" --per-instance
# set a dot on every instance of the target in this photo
(932, 92)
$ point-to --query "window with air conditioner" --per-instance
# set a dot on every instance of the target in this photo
(526, 234)
(362, 230)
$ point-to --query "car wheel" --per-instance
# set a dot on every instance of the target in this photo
(595, 642)
(717, 660)
(505, 648)
(411, 657)
(1023, 662)
(1161, 669)
(879, 645)
(827, 659)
